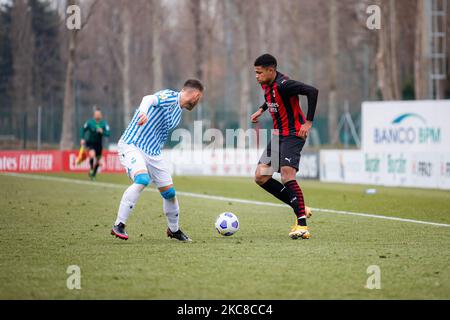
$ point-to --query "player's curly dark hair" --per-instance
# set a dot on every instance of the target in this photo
(266, 60)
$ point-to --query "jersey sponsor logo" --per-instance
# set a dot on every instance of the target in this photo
(273, 107)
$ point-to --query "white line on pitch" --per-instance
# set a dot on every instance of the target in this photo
(219, 198)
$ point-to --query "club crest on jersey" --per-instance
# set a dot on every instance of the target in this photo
(163, 96)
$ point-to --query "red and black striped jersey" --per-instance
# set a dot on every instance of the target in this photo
(284, 104)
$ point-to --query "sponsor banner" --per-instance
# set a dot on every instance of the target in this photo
(309, 166)
(212, 162)
(402, 169)
(30, 161)
(230, 162)
(109, 163)
(425, 170)
(394, 169)
(54, 161)
(386, 168)
(341, 166)
(208, 162)
(444, 171)
(406, 126)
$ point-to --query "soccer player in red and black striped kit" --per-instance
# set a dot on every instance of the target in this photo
(291, 129)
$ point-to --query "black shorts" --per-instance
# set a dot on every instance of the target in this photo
(283, 153)
(98, 148)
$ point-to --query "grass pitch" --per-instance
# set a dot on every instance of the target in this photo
(48, 225)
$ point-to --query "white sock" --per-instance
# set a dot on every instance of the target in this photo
(172, 211)
(129, 199)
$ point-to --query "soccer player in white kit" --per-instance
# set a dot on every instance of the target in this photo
(139, 151)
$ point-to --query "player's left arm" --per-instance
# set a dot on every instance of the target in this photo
(106, 129)
(257, 114)
(295, 88)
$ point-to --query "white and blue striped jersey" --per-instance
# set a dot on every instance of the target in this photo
(164, 113)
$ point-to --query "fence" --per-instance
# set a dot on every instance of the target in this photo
(41, 128)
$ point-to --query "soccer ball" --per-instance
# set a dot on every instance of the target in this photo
(227, 224)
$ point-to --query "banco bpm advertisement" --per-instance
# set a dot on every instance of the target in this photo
(406, 126)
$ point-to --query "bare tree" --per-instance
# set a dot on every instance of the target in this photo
(196, 12)
(67, 138)
(210, 28)
(131, 49)
(387, 60)
(420, 60)
(157, 50)
(293, 11)
(121, 38)
(333, 62)
(125, 65)
(243, 58)
(394, 36)
(22, 46)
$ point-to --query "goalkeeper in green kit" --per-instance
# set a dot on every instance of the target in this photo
(92, 135)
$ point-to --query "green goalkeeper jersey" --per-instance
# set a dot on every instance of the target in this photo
(91, 131)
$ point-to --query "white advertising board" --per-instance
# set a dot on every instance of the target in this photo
(406, 126)
(230, 162)
(401, 169)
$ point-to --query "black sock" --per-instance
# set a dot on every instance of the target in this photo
(278, 190)
(296, 201)
(91, 163)
(96, 168)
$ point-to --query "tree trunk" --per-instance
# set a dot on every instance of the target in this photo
(196, 13)
(395, 78)
(229, 85)
(210, 97)
(126, 86)
(420, 49)
(22, 41)
(333, 133)
(387, 60)
(243, 58)
(264, 17)
(156, 47)
(67, 138)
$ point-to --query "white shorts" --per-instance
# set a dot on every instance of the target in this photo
(136, 161)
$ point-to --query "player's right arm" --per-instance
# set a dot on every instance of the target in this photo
(147, 102)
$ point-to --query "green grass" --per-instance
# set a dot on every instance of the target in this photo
(47, 226)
